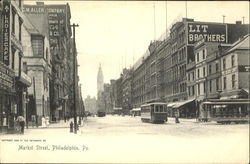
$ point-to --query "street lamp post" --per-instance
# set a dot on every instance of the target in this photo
(74, 77)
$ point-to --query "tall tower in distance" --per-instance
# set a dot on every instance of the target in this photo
(100, 80)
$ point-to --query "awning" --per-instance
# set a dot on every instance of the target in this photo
(59, 108)
(117, 108)
(171, 104)
(136, 109)
(179, 104)
(25, 79)
(246, 90)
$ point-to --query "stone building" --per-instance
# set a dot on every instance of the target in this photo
(60, 85)
(14, 82)
(163, 75)
(37, 64)
(90, 104)
(235, 70)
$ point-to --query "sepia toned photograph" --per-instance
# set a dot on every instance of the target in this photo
(124, 81)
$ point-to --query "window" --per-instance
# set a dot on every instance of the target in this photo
(217, 67)
(13, 21)
(199, 89)
(204, 71)
(25, 69)
(225, 82)
(210, 85)
(193, 75)
(224, 64)
(13, 57)
(20, 29)
(203, 54)
(192, 90)
(232, 60)
(204, 87)
(197, 56)
(198, 73)
(217, 84)
(189, 91)
(233, 81)
(210, 69)
(188, 76)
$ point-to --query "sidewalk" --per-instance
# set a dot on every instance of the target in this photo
(59, 124)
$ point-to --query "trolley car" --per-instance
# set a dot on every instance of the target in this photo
(225, 111)
(154, 112)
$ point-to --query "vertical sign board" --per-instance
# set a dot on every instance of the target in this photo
(56, 19)
(207, 31)
(6, 32)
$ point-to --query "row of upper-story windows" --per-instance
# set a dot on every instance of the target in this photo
(200, 55)
(233, 82)
(16, 24)
(199, 74)
(226, 65)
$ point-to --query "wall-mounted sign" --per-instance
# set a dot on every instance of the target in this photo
(244, 68)
(57, 18)
(6, 32)
(208, 32)
(6, 77)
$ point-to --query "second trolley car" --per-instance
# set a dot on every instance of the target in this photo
(154, 112)
(225, 111)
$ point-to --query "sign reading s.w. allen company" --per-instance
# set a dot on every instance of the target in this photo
(209, 32)
(6, 32)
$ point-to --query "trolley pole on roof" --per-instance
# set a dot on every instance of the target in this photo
(74, 77)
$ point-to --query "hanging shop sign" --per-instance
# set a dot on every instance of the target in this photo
(208, 32)
(6, 32)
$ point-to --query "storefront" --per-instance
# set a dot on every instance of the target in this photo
(8, 105)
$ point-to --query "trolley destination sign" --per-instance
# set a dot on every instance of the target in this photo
(208, 32)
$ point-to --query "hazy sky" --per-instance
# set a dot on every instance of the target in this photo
(116, 34)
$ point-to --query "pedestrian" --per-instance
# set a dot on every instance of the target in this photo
(33, 119)
(43, 122)
(36, 120)
(177, 115)
(21, 121)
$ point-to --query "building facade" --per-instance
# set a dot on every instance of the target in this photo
(61, 52)
(37, 65)
(14, 97)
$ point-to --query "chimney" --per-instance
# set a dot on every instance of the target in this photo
(238, 22)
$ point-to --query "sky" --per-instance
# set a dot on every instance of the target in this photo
(117, 33)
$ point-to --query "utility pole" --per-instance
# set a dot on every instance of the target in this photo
(74, 76)
(223, 18)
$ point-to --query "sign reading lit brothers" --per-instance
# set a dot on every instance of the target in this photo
(209, 32)
(6, 32)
